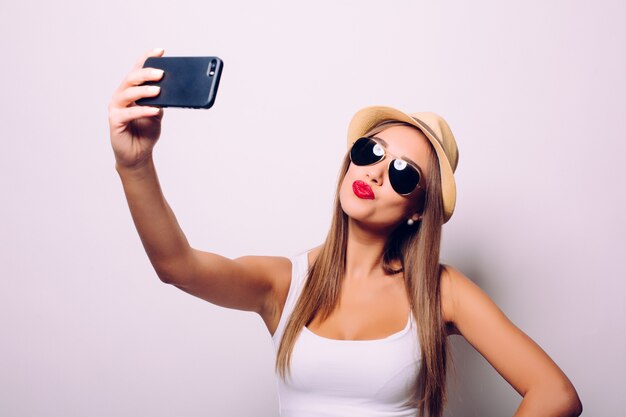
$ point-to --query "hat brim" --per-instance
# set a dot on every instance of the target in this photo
(368, 117)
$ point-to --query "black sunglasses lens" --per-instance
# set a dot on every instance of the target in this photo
(403, 177)
(366, 151)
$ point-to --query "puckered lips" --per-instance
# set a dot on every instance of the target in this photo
(362, 190)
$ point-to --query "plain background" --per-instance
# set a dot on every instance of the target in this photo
(533, 91)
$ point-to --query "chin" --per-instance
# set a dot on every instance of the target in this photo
(359, 211)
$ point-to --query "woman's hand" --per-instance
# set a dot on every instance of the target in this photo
(135, 129)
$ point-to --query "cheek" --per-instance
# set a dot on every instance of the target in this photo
(388, 205)
(348, 179)
(391, 204)
(349, 202)
(345, 190)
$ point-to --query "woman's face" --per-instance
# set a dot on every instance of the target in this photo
(387, 208)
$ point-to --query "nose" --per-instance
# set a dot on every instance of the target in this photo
(376, 172)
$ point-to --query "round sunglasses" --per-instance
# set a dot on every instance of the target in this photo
(404, 177)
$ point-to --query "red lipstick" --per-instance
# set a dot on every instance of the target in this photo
(362, 190)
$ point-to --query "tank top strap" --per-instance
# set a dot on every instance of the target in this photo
(299, 270)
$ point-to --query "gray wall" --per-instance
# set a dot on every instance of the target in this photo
(534, 92)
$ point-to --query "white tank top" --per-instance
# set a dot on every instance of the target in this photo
(345, 378)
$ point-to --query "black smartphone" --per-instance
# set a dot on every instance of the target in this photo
(188, 82)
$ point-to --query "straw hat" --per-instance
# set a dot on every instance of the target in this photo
(434, 128)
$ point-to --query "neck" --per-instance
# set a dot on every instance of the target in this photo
(364, 252)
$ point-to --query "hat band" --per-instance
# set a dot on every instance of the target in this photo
(426, 127)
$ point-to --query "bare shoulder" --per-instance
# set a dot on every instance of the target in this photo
(278, 271)
(282, 283)
(313, 254)
(454, 284)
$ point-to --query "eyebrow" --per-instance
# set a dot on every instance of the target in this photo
(403, 157)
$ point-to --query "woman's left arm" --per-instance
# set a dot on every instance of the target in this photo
(546, 389)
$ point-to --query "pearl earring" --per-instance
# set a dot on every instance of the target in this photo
(410, 222)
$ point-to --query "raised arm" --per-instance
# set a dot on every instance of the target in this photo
(247, 283)
(531, 372)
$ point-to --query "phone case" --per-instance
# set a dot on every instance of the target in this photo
(188, 82)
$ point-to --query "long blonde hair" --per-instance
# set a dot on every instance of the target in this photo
(417, 249)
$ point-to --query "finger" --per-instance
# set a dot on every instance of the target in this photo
(138, 77)
(129, 95)
(121, 117)
(151, 53)
(141, 75)
(139, 65)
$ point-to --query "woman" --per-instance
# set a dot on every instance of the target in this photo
(360, 323)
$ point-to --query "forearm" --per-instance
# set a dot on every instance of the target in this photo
(162, 238)
(543, 403)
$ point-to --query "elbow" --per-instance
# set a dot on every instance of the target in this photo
(165, 277)
(554, 402)
(569, 403)
(174, 272)
(573, 404)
